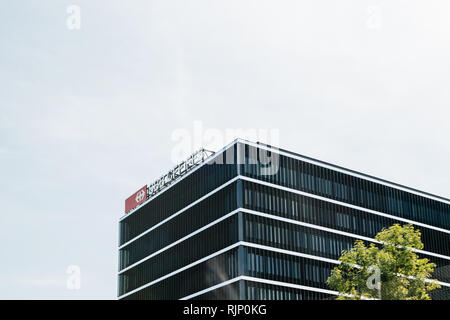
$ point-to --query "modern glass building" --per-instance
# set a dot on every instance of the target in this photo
(257, 222)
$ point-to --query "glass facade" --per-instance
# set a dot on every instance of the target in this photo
(263, 291)
(230, 231)
(289, 205)
(187, 222)
(332, 184)
(204, 275)
(195, 248)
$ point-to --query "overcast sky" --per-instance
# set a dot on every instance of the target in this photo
(88, 116)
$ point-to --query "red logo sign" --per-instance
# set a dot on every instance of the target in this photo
(136, 199)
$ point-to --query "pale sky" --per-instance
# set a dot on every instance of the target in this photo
(87, 116)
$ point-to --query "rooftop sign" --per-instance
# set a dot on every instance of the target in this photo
(177, 172)
(136, 199)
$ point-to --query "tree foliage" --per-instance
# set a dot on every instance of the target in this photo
(403, 275)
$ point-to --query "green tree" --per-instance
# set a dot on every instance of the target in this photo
(393, 261)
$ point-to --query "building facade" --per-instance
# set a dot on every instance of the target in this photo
(257, 222)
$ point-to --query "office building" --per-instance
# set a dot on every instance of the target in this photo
(255, 222)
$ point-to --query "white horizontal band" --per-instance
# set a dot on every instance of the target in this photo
(217, 286)
(259, 280)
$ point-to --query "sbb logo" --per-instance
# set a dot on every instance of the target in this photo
(136, 199)
(140, 196)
